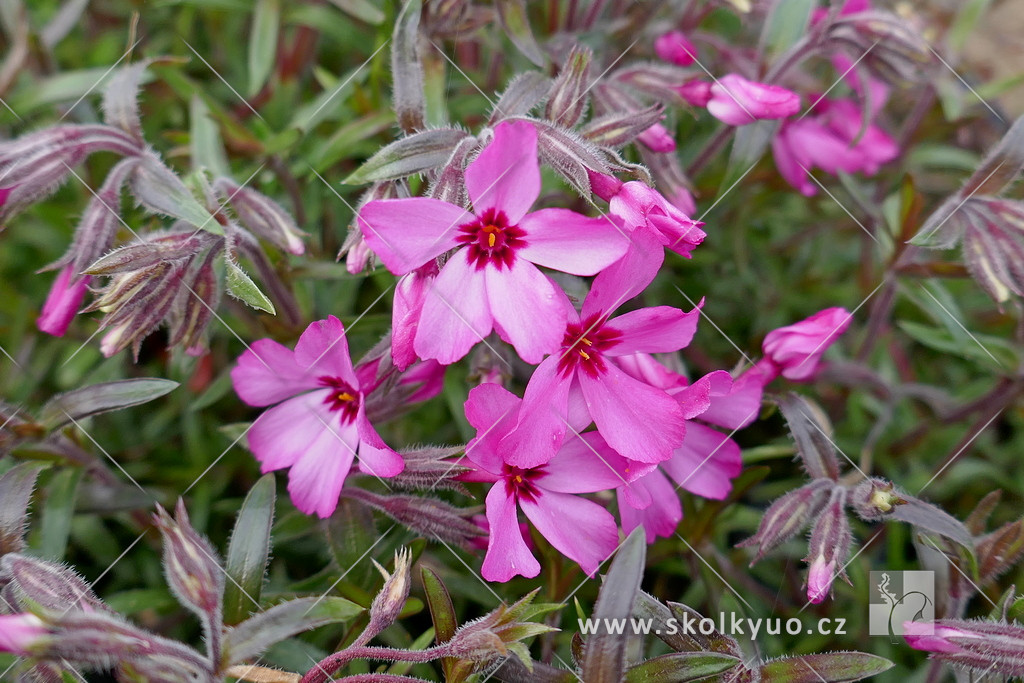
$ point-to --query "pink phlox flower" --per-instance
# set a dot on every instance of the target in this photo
(19, 632)
(63, 302)
(796, 350)
(657, 139)
(581, 383)
(676, 48)
(491, 280)
(738, 102)
(318, 423)
(580, 529)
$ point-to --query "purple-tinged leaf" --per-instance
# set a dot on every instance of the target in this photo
(523, 93)
(121, 99)
(515, 22)
(100, 398)
(282, 621)
(160, 191)
(16, 486)
(407, 156)
(680, 667)
(407, 69)
(810, 428)
(248, 551)
(831, 667)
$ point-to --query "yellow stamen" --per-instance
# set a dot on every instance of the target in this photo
(586, 356)
(491, 238)
(587, 341)
(345, 396)
(519, 480)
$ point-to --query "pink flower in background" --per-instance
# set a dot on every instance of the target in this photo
(641, 207)
(696, 92)
(796, 350)
(63, 302)
(578, 528)
(833, 138)
(737, 101)
(675, 47)
(657, 139)
(318, 424)
(491, 281)
(931, 637)
(581, 383)
(18, 632)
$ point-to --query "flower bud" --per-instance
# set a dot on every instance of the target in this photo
(495, 635)
(262, 215)
(191, 565)
(888, 45)
(194, 305)
(63, 302)
(796, 349)
(788, 515)
(567, 98)
(874, 499)
(696, 92)
(388, 603)
(676, 48)
(50, 587)
(738, 102)
(829, 547)
(431, 517)
(20, 633)
(982, 646)
(620, 128)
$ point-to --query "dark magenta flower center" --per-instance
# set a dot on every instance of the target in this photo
(343, 398)
(519, 482)
(490, 239)
(584, 344)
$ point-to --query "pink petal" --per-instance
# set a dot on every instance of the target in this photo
(696, 398)
(410, 293)
(585, 464)
(644, 367)
(529, 310)
(788, 160)
(737, 101)
(627, 277)
(507, 553)
(267, 373)
(406, 233)
(658, 329)
(564, 240)
(578, 528)
(661, 517)
(316, 478)
(743, 403)
(375, 457)
(506, 174)
(640, 422)
(541, 423)
(493, 411)
(63, 302)
(322, 350)
(281, 435)
(455, 314)
(675, 47)
(706, 463)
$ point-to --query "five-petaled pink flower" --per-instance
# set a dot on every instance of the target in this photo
(581, 383)
(578, 528)
(737, 101)
(318, 424)
(491, 280)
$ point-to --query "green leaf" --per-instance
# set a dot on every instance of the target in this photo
(679, 667)
(63, 87)
(362, 10)
(412, 154)
(604, 656)
(248, 551)
(266, 22)
(51, 537)
(785, 24)
(158, 189)
(748, 146)
(1003, 354)
(442, 614)
(516, 23)
(257, 633)
(101, 398)
(832, 667)
(242, 287)
(205, 144)
(16, 487)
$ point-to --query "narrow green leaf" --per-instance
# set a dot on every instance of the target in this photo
(16, 487)
(832, 667)
(257, 633)
(604, 656)
(679, 667)
(412, 154)
(158, 189)
(101, 398)
(243, 288)
(266, 23)
(51, 538)
(205, 143)
(248, 551)
(442, 613)
(516, 23)
(362, 10)
(785, 24)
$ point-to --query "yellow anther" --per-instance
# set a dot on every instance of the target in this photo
(519, 479)
(586, 356)
(587, 341)
(491, 238)
(345, 396)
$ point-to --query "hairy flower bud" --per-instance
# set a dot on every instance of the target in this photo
(888, 45)
(567, 99)
(39, 584)
(388, 603)
(432, 517)
(788, 515)
(874, 499)
(262, 215)
(983, 646)
(191, 564)
(829, 547)
(497, 634)
(194, 305)
(63, 302)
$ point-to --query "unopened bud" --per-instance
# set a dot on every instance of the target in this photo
(874, 499)
(63, 302)
(829, 547)
(434, 518)
(194, 305)
(388, 603)
(989, 648)
(788, 515)
(620, 128)
(39, 584)
(567, 99)
(191, 565)
(497, 634)
(675, 47)
(888, 45)
(263, 216)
